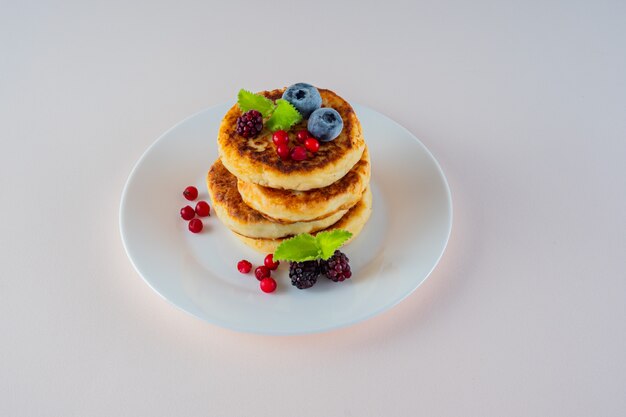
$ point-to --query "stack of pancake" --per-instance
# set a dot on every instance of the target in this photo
(263, 199)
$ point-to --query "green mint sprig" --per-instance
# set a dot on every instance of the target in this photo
(285, 115)
(306, 247)
(249, 101)
(281, 115)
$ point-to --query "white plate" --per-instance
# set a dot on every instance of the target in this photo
(397, 250)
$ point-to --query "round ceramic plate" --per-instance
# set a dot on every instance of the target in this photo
(398, 248)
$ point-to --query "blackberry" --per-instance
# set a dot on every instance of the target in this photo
(336, 268)
(304, 274)
(249, 124)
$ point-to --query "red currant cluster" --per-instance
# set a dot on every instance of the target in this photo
(202, 210)
(263, 273)
(297, 153)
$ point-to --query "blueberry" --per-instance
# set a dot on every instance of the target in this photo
(304, 97)
(325, 124)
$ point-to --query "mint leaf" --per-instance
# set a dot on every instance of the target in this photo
(249, 101)
(285, 115)
(305, 247)
(300, 248)
(330, 241)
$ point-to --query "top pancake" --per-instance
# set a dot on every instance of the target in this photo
(255, 160)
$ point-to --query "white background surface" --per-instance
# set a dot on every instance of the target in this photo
(523, 104)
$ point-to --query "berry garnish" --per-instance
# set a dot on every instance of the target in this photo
(337, 267)
(283, 151)
(304, 97)
(244, 266)
(187, 213)
(195, 225)
(312, 145)
(282, 114)
(308, 254)
(203, 209)
(304, 274)
(302, 135)
(325, 124)
(270, 262)
(298, 153)
(280, 137)
(262, 272)
(267, 285)
(249, 124)
(190, 193)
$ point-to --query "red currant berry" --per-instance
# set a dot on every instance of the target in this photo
(280, 137)
(190, 193)
(283, 151)
(244, 266)
(312, 145)
(269, 262)
(268, 284)
(187, 213)
(203, 209)
(195, 225)
(302, 135)
(262, 272)
(298, 153)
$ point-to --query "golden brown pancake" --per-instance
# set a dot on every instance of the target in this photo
(255, 160)
(353, 221)
(294, 206)
(242, 219)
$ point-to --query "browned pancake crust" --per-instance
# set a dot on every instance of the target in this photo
(353, 221)
(288, 205)
(255, 160)
(223, 187)
(239, 217)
